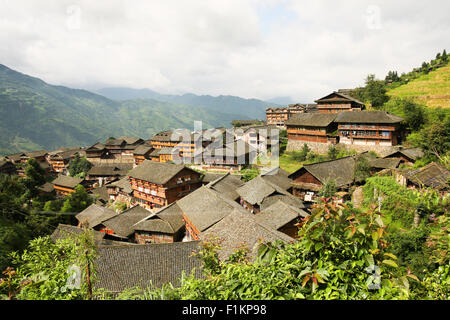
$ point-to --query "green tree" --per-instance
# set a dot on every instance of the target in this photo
(375, 92)
(79, 167)
(362, 169)
(77, 201)
(34, 177)
(54, 270)
(332, 153)
(329, 189)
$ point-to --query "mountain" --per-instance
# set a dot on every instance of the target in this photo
(247, 108)
(432, 89)
(36, 115)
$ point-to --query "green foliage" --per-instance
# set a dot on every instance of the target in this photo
(414, 114)
(249, 173)
(375, 92)
(328, 190)
(79, 167)
(45, 269)
(362, 169)
(333, 152)
(77, 201)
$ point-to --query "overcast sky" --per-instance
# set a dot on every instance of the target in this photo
(249, 48)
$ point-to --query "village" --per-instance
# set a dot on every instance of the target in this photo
(182, 187)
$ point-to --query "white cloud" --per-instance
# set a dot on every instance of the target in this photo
(250, 48)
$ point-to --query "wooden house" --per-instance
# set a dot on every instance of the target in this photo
(313, 127)
(308, 180)
(282, 217)
(121, 226)
(433, 175)
(407, 156)
(238, 229)
(101, 174)
(278, 116)
(232, 156)
(120, 191)
(7, 167)
(337, 102)
(59, 160)
(369, 128)
(157, 184)
(142, 153)
(97, 151)
(163, 226)
(65, 185)
(93, 217)
(259, 193)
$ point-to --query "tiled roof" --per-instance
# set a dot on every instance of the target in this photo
(432, 175)
(279, 214)
(95, 215)
(167, 220)
(227, 185)
(156, 172)
(367, 117)
(241, 228)
(67, 181)
(121, 267)
(122, 224)
(312, 119)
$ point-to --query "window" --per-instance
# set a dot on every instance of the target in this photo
(385, 133)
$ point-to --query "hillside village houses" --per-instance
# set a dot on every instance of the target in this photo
(182, 187)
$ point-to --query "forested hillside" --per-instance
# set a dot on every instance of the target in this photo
(36, 115)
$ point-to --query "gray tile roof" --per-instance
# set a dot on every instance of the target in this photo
(204, 207)
(385, 163)
(119, 169)
(167, 220)
(227, 185)
(156, 172)
(412, 153)
(95, 215)
(433, 175)
(67, 181)
(279, 214)
(122, 224)
(286, 198)
(312, 119)
(342, 95)
(241, 228)
(64, 231)
(367, 117)
(340, 170)
(278, 177)
(258, 189)
(142, 149)
(121, 267)
(123, 184)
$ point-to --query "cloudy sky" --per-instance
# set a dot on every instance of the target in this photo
(249, 48)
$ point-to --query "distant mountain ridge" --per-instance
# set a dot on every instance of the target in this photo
(247, 108)
(36, 115)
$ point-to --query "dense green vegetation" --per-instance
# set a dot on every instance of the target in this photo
(25, 213)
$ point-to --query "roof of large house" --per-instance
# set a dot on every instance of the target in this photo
(47, 187)
(385, 163)
(433, 175)
(341, 170)
(411, 153)
(156, 172)
(204, 207)
(115, 142)
(312, 119)
(168, 220)
(367, 117)
(279, 177)
(100, 194)
(96, 146)
(122, 224)
(130, 140)
(121, 267)
(15, 156)
(209, 177)
(279, 214)
(95, 215)
(110, 169)
(142, 149)
(338, 96)
(257, 190)
(242, 228)
(123, 184)
(287, 198)
(65, 154)
(227, 185)
(35, 154)
(67, 181)
(64, 231)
